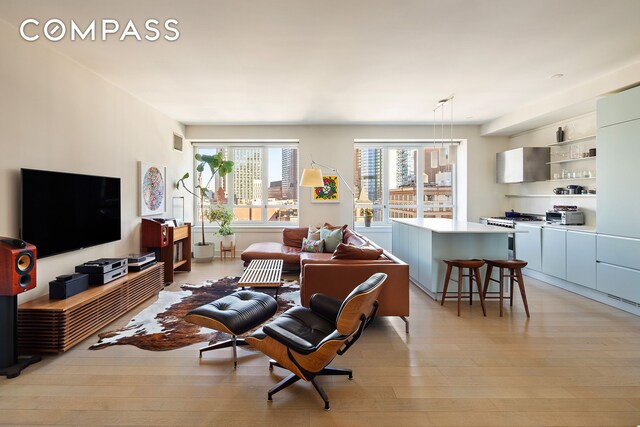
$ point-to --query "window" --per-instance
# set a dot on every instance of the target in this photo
(408, 181)
(263, 185)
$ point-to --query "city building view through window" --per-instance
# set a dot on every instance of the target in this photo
(263, 184)
(407, 182)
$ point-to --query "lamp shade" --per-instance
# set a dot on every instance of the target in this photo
(364, 198)
(311, 177)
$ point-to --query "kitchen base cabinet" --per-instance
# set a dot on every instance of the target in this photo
(554, 252)
(529, 245)
(619, 281)
(581, 258)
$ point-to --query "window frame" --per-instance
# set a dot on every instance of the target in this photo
(421, 206)
(263, 145)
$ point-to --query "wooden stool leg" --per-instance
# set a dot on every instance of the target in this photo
(470, 274)
(447, 276)
(522, 291)
(477, 273)
(486, 280)
(511, 280)
(460, 270)
(501, 289)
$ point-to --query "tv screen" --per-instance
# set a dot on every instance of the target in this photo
(62, 212)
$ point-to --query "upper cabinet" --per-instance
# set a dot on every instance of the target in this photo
(525, 164)
(619, 108)
(618, 166)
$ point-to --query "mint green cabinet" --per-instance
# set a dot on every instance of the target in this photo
(554, 252)
(618, 164)
(529, 245)
(581, 258)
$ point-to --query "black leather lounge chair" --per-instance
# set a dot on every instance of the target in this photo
(305, 340)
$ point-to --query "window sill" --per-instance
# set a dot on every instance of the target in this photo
(374, 228)
(246, 228)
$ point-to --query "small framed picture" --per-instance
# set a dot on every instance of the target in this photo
(153, 189)
(329, 193)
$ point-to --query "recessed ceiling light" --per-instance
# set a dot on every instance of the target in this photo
(469, 117)
(557, 76)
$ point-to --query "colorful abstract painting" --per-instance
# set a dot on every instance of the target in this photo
(329, 192)
(153, 188)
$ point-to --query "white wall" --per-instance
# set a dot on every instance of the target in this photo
(332, 145)
(57, 115)
(574, 127)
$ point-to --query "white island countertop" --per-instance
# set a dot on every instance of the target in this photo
(444, 225)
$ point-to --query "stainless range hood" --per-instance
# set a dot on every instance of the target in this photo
(525, 164)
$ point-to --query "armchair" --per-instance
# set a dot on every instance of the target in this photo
(305, 340)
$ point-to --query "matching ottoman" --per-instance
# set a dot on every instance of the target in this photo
(234, 314)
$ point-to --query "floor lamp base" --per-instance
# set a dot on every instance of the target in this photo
(17, 368)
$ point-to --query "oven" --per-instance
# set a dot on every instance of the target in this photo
(510, 222)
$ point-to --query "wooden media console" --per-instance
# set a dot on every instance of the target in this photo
(54, 326)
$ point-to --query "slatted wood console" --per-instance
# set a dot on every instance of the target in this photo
(54, 326)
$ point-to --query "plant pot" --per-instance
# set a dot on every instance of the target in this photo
(228, 240)
(203, 253)
(367, 221)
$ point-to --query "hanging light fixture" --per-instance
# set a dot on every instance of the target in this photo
(445, 155)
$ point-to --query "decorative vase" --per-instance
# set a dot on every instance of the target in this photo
(367, 221)
(560, 135)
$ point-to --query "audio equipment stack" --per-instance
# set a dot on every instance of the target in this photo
(103, 270)
(139, 262)
(17, 275)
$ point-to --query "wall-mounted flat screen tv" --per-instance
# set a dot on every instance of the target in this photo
(62, 212)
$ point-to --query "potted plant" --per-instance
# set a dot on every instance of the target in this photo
(217, 165)
(223, 216)
(367, 213)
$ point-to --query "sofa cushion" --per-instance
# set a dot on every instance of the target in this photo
(315, 257)
(332, 238)
(314, 233)
(354, 239)
(313, 246)
(354, 252)
(293, 236)
(335, 227)
(272, 250)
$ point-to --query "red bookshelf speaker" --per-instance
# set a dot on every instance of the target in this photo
(154, 234)
(17, 275)
(17, 266)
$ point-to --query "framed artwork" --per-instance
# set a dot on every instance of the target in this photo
(153, 189)
(329, 193)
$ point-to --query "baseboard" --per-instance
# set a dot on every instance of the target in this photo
(593, 294)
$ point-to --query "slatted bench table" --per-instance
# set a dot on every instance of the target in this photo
(262, 273)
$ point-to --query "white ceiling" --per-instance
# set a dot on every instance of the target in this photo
(350, 61)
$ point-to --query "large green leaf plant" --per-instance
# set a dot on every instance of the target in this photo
(215, 163)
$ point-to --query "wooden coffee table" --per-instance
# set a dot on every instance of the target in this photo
(262, 273)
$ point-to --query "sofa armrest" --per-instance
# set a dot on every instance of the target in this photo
(338, 278)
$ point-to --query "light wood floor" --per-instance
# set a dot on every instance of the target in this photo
(574, 363)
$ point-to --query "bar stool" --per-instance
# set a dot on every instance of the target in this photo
(473, 265)
(515, 275)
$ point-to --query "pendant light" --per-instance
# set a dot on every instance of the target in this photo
(444, 156)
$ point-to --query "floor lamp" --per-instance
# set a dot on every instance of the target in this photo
(312, 177)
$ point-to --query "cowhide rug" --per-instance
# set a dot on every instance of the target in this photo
(160, 326)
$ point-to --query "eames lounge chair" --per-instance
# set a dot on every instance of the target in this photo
(305, 340)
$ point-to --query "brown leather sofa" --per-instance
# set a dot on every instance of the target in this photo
(337, 277)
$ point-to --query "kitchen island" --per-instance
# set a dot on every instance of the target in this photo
(424, 242)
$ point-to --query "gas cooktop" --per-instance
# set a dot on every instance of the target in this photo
(510, 222)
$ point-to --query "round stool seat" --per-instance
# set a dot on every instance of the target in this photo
(464, 263)
(236, 313)
(506, 263)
